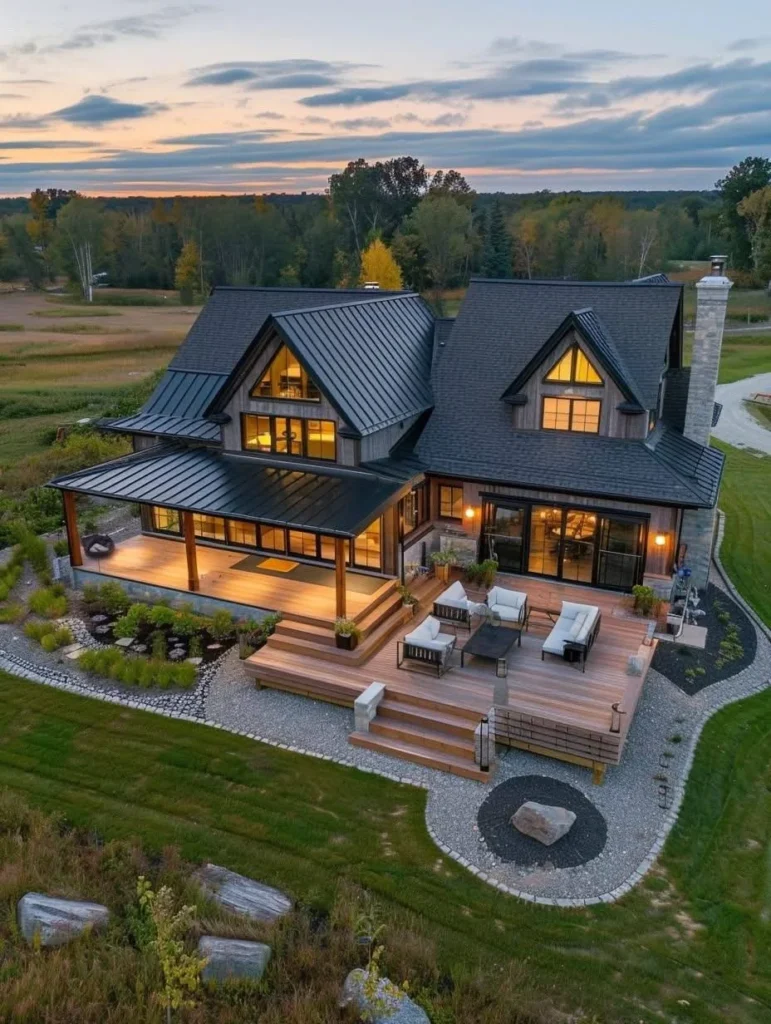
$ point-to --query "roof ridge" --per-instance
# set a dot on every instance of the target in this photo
(393, 297)
(570, 283)
(293, 288)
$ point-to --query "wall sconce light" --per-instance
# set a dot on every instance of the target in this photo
(470, 512)
(660, 540)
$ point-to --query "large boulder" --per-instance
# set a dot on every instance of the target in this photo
(243, 895)
(232, 959)
(386, 1008)
(543, 822)
(57, 921)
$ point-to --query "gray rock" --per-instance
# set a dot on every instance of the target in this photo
(176, 654)
(99, 618)
(543, 822)
(101, 630)
(243, 895)
(213, 647)
(57, 921)
(140, 648)
(387, 1009)
(195, 661)
(124, 641)
(232, 958)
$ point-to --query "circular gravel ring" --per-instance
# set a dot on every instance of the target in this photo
(583, 842)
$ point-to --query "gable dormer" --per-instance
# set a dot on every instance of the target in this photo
(285, 377)
(578, 382)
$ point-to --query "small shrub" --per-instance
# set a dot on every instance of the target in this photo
(187, 623)
(158, 645)
(130, 623)
(37, 630)
(482, 574)
(13, 612)
(48, 636)
(347, 627)
(644, 599)
(114, 599)
(195, 648)
(61, 548)
(162, 617)
(133, 670)
(91, 598)
(221, 625)
(50, 602)
(48, 642)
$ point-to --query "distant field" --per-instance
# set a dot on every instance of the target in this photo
(55, 370)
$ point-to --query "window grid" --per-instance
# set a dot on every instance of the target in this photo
(581, 415)
(289, 435)
(573, 368)
(287, 379)
(450, 502)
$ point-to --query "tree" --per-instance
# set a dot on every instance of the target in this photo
(187, 272)
(756, 210)
(496, 253)
(443, 229)
(81, 224)
(452, 185)
(525, 239)
(752, 174)
(378, 264)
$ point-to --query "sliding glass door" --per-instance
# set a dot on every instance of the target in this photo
(505, 537)
(620, 562)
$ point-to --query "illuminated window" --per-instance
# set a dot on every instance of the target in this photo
(450, 502)
(415, 508)
(286, 378)
(579, 414)
(272, 538)
(302, 543)
(366, 547)
(327, 547)
(209, 527)
(315, 439)
(166, 520)
(243, 533)
(573, 368)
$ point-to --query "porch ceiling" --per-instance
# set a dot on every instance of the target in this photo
(333, 501)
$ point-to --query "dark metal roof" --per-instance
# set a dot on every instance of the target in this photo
(652, 279)
(371, 359)
(176, 407)
(598, 339)
(585, 464)
(232, 318)
(699, 465)
(335, 500)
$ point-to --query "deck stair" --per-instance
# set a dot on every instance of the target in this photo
(426, 732)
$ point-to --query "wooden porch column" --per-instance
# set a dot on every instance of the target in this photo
(188, 530)
(71, 525)
(340, 548)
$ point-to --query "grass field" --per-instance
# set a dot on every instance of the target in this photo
(690, 945)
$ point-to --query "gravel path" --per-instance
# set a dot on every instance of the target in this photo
(736, 425)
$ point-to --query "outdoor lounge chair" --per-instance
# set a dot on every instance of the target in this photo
(427, 646)
(574, 632)
(454, 607)
(508, 605)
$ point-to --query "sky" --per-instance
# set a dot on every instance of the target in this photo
(142, 97)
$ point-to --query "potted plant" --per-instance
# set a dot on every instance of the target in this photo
(408, 598)
(347, 634)
(442, 561)
(482, 574)
(644, 599)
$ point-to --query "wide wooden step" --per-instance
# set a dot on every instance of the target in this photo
(420, 736)
(305, 631)
(424, 718)
(319, 689)
(440, 760)
(443, 705)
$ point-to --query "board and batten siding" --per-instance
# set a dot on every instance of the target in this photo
(612, 422)
(663, 519)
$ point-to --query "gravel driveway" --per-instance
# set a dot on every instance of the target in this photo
(736, 425)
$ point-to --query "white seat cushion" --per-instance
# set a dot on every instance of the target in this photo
(454, 596)
(427, 635)
(577, 625)
(505, 597)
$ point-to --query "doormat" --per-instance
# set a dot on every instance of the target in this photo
(279, 565)
(320, 575)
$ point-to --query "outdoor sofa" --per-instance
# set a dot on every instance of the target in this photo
(427, 646)
(508, 605)
(573, 633)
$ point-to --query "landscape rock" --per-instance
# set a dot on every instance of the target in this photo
(101, 630)
(213, 647)
(176, 654)
(57, 921)
(386, 1008)
(243, 895)
(99, 618)
(124, 641)
(232, 958)
(543, 822)
(195, 661)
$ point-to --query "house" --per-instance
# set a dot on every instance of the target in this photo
(306, 449)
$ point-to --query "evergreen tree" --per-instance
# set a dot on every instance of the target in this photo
(497, 252)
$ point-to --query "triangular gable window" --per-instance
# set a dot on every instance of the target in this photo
(286, 378)
(573, 368)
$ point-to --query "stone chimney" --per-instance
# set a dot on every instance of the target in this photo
(697, 530)
(711, 303)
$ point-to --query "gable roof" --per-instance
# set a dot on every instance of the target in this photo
(598, 339)
(371, 359)
(176, 407)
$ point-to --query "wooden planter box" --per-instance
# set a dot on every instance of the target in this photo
(346, 642)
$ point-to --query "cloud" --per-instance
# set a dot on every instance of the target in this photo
(273, 115)
(292, 73)
(357, 123)
(752, 43)
(46, 144)
(214, 138)
(97, 110)
(23, 121)
(25, 81)
(518, 44)
(11, 96)
(149, 25)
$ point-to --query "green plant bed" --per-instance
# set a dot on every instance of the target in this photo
(132, 670)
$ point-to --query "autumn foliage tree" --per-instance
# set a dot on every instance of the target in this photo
(187, 272)
(378, 264)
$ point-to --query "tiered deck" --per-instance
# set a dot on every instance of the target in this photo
(547, 706)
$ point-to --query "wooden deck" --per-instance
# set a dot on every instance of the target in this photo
(156, 561)
(547, 706)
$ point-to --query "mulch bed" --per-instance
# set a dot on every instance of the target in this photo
(101, 631)
(583, 842)
(675, 660)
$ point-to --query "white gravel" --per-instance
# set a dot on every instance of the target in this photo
(736, 425)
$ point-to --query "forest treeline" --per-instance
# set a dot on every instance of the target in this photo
(432, 232)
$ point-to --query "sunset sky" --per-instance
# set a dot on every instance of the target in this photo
(138, 97)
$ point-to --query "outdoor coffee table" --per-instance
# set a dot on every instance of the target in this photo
(493, 643)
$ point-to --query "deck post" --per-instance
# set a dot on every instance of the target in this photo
(340, 546)
(188, 529)
(71, 525)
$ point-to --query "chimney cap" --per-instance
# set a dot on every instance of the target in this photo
(717, 265)
(371, 286)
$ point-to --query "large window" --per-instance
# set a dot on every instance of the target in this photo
(289, 435)
(165, 520)
(240, 532)
(366, 547)
(273, 538)
(415, 508)
(286, 378)
(209, 527)
(303, 543)
(573, 368)
(450, 502)
(581, 415)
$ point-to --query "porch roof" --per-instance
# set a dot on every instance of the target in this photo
(334, 501)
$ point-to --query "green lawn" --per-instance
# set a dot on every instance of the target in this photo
(669, 951)
(745, 497)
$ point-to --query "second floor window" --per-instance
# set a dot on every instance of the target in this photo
(573, 368)
(450, 502)
(286, 378)
(578, 414)
(415, 508)
(289, 435)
